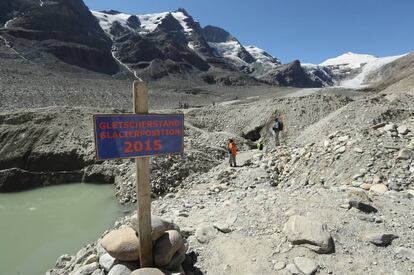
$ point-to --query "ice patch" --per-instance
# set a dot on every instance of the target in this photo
(228, 49)
(262, 56)
(181, 17)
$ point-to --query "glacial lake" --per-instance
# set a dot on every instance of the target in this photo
(39, 225)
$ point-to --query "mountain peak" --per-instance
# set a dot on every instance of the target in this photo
(350, 59)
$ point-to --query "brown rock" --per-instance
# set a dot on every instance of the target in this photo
(159, 226)
(147, 271)
(122, 244)
(379, 188)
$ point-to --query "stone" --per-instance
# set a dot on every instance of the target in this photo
(279, 265)
(63, 260)
(86, 269)
(390, 127)
(222, 227)
(311, 233)
(147, 271)
(404, 154)
(405, 253)
(411, 192)
(359, 195)
(98, 272)
(158, 225)
(402, 130)
(340, 150)
(122, 244)
(120, 269)
(343, 138)
(366, 208)
(366, 186)
(293, 269)
(358, 150)
(106, 261)
(380, 239)
(91, 259)
(205, 233)
(379, 188)
(378, 125)
(166, 246)
(305, 265)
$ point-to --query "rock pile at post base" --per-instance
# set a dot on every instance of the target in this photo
(117, 253)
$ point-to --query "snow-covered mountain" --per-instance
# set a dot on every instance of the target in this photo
(352, 70)
(161, 44)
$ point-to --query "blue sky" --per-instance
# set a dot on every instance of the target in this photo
(308, 30)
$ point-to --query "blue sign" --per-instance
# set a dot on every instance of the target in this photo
(138, 135)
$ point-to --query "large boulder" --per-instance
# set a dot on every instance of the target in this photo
(122, 244)
(166, 247)
(311, 233)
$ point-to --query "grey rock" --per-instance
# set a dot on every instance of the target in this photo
(402, 130)
(205, 233)
(106, 261)
(293, 269)
(98, 272)
(405, 154)
(366, 208)
(120, 269)
(305, 265)
(311, 233)
(222, 227)
(279, 265)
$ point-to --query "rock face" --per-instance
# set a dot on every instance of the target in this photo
(312, 234)
(65, 29)
(122, 244)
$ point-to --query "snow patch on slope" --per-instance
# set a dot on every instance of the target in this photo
(228, 49)
(107, 20)
(151, 21)
(181, 17)
(262, 56)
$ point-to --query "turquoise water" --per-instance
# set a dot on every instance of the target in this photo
(39, 225)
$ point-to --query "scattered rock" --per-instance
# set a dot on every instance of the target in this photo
(93, 258)
(120, 269)
(313, 234)
(366, 186)
(279, 265)
(122, 244)
(402, 130)
(205, 233)
(358, 150)
(293, 269)
(380, 239)
(379, 188)
(404, 154)
(305, 265)
(106, 261)
(391, 127)
(222, 227)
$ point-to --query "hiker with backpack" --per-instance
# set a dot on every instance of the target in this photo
(232, 149)
(277, 128)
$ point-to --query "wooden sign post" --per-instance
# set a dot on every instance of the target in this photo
(139, 135)
(140, 96)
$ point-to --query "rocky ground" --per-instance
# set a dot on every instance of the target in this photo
(335, 198)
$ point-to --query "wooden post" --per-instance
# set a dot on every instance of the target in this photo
(140, 91)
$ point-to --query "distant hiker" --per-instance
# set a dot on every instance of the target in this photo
(277, 128)
(232, 148)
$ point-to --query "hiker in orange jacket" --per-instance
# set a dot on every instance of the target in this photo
(232, 148)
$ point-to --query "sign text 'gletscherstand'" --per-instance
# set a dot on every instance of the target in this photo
(137, 135)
